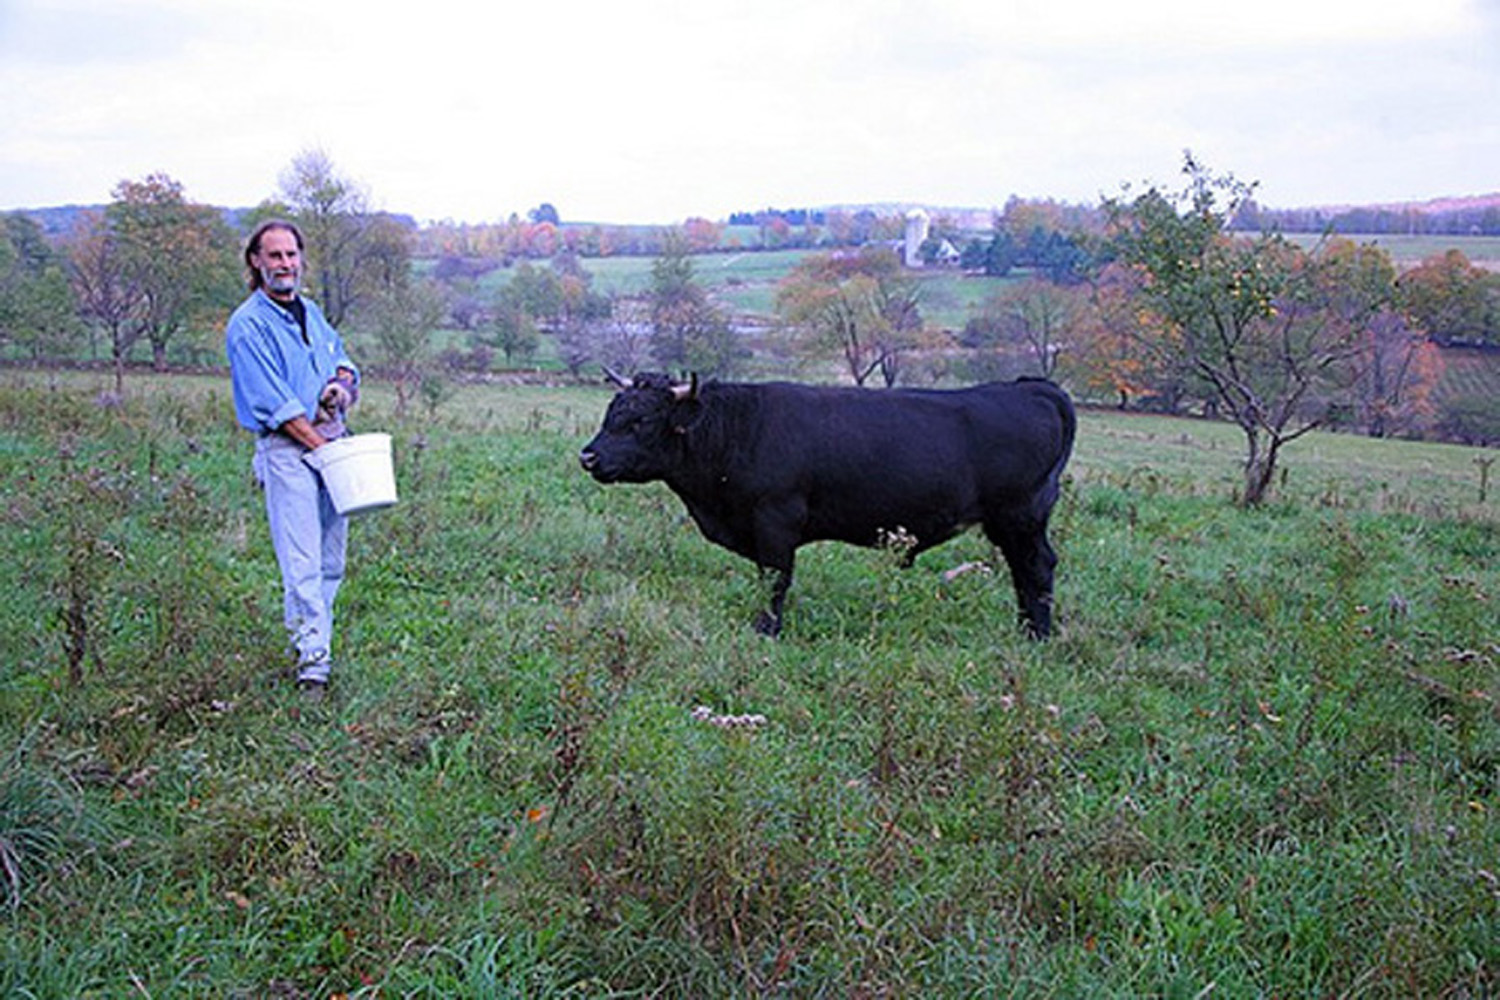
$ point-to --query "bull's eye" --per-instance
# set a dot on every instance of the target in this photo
(637, 423)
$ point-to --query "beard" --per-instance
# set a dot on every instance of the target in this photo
(281, 282)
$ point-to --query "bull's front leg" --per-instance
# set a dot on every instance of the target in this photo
(778, 530)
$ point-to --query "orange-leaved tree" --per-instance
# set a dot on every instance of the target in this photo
(860, 307)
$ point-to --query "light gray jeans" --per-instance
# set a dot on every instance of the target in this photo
(310, 539)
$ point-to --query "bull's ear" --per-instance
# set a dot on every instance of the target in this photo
(687, 408)
(615, 377)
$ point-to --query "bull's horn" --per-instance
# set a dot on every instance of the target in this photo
(615, 377)
(688, 391)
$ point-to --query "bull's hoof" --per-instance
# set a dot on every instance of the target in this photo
(768, 624)
(1036, 631)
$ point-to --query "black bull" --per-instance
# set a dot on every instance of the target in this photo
(765, 468)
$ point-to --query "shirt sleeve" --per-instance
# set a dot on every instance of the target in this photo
(263, 396)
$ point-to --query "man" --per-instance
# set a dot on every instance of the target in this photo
(292, 384)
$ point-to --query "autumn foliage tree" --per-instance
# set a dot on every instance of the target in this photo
(860, 307)
(1035, 318)
(1255, 325)
(1121, 350)
(179, 257)
(106, 292)
(1390, 377)
(702, 235)
(1452, 299)
(150, 266)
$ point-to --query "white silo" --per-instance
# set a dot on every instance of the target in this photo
(916, 234)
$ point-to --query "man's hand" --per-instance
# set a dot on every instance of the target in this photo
(335, 398)
(301, 431)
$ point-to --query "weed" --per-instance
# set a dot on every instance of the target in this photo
(45, 827)
(1259, 758)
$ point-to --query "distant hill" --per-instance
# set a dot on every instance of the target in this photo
(1465, 215)
(1432, 206)
(59, 220)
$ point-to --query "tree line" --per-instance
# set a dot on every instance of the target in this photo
(1477, 217)
(1151, 300)
(155, 268)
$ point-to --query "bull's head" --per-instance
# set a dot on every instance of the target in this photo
(643, 430)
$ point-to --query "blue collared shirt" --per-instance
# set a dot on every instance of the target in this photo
(275, 374)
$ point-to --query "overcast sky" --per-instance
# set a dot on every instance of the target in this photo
(661, 110)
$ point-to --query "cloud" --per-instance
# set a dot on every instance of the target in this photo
(656, 110)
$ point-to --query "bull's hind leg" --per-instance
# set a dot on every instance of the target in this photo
(1023, 542)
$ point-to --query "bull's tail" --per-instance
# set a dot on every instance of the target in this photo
(1068, 422)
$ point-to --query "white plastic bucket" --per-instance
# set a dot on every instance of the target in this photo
(358, 472)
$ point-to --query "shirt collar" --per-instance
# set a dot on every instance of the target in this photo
(283, 308)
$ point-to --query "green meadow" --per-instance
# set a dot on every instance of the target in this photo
(745, 282)
(1260, 759)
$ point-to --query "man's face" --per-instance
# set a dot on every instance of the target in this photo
(280, 263)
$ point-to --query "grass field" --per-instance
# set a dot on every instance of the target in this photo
(746, 281)
(1262, 758)
(1409, 251)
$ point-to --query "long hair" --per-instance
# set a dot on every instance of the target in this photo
(252, 247)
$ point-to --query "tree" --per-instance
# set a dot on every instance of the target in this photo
(1393, 392)
(107, 292)
(37, 308)
(465, 305)
(532, 298)
(1122, 350)
(535, 291)
(556, 299)
(702, 235)
(583, 308)
(402, 319)
(974, 254)
(179, 257)
(588, 324)
(623, 341)
(514, 329)
(1245, 318)
(1036, 316)
(1452, 299)
(1391, 377)
(686, 330)
(859, 306)
(352, 253)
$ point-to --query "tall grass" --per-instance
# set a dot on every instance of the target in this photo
(1260, 759)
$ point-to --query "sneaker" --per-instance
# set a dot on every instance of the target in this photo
(312, 689)
(314, 671)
